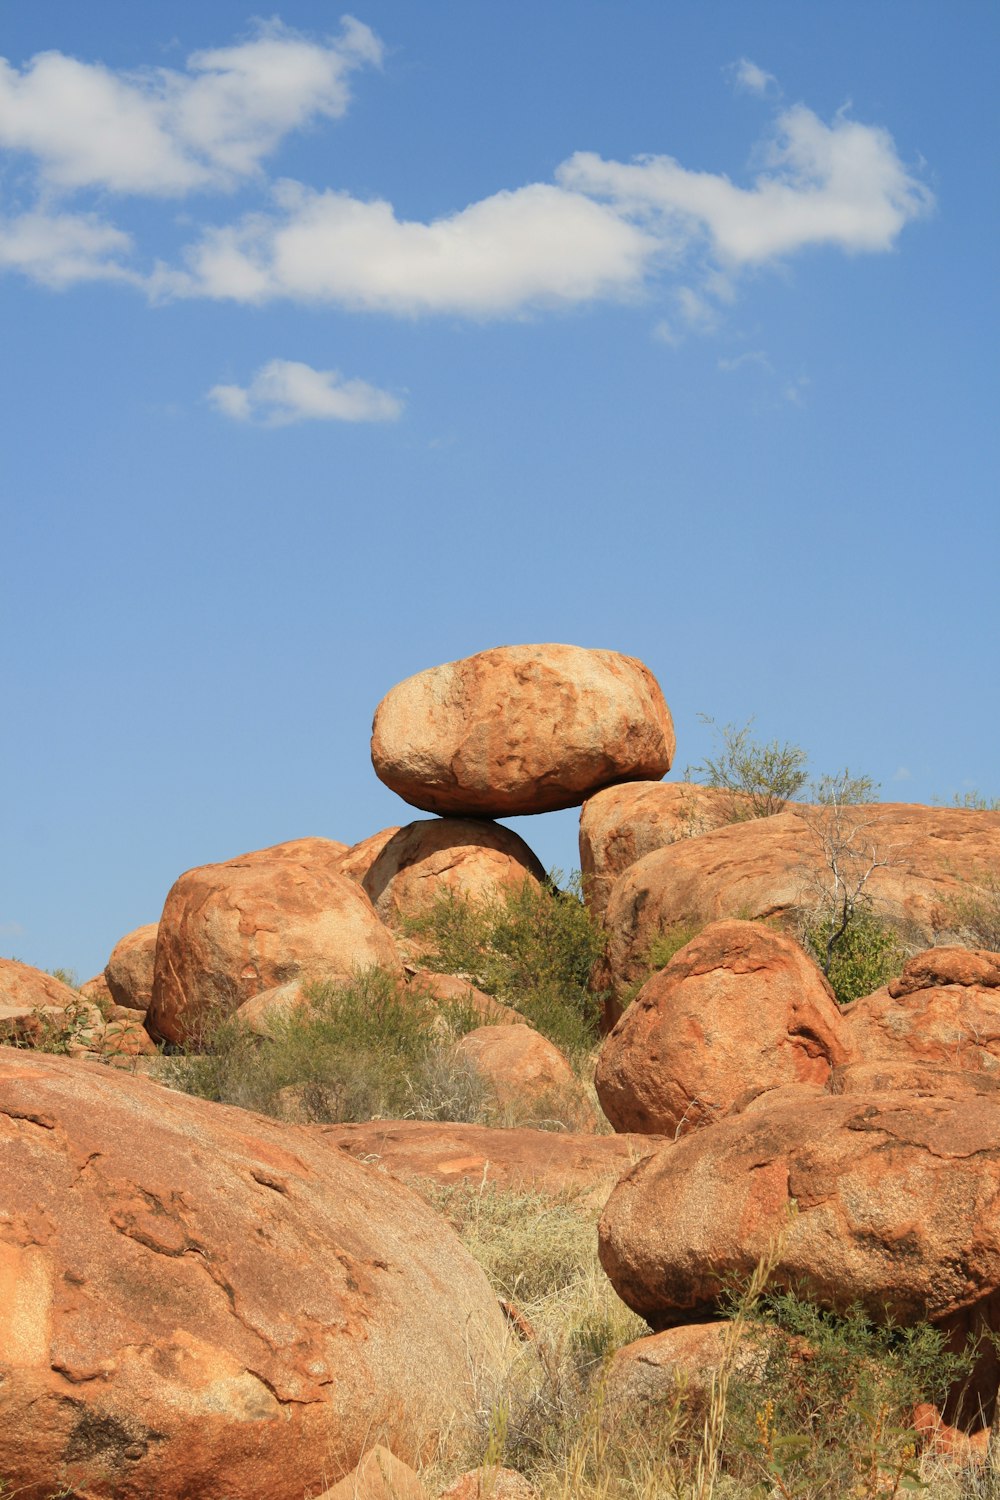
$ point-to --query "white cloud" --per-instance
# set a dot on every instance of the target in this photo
(286, 391)
(752, 79)
(902, 773)
(538, 244)
(841, 184)
(750, 357)
(165, 132)
(60, 249)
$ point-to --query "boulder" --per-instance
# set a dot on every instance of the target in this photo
(894, 1199)
(950, 1025)
(623, 823)
(230, 931)
(683, 1360)
(773, 867)
(440, 856)
(38, 1010)
(535, 1161)
(231, 1310)
(129, 971)
(526, 1073)
(451, 991)
(521, 729)
(359, 858)
(738, 1010)
(379, 1476)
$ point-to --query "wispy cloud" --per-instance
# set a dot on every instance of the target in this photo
(750, 357)
(751, 78)
(59, 249)
(286, 391)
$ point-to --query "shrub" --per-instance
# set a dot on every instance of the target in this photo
(975, 911)
(532, 948)
(761, 778)
(857, 958)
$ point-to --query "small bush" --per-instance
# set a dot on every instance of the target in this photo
(974, 912)
(762, 778)
(532, 948)
(862, 958)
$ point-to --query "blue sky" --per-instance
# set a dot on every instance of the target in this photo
(336, 348)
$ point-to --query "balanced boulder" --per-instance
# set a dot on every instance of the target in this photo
(229, 1309)
(446, 856)
(230, 931)
(521, 729)
(737, 1011)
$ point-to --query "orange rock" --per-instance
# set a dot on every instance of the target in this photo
(326, 851)
(230, 931)
(895, 1200)
(542, 1161)
(623, 823)
(738, 1010)
(359, 859)
(129, 970)
(96, 991)
(490, 1484)
(524, 1070)
(939, 966)
(521, 729)
(769, 867)
(953, 1025)
(230, 1309)
(379, 1476)
(439, 856)
(36, 1008)
(683, 1360)
(900, 1075)
(451, 990)
(939, 1437)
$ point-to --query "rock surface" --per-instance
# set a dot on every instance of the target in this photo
(439, 856)
(895, 1200)
(524, 1070)
(231, 1310)
(769, 867)
(230, 931)
(521, 729)
(379, 1476)
(359, 858)
(738, 1010)
(542, 1161)
(950, 1025)
(129, 971)
(35, 1005)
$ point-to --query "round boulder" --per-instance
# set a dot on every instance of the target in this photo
(129, 971)
(231, 1308)
(446, 856)
(521, 729)
(230, 931)
(526, 1073)
(738, 1010)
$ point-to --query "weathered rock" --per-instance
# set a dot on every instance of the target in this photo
(36, 1008)
(230, 931)
(738, 1010)
(96, 990)
(899, 1076)
(523, 1070)
(953, 1025)
(940, 966)
(773, 867)
(684, 1359)
(231, 1310)
(449, 990)
(439, 856)
(895, 1200)
(129, 971)
(521, 729)
(623, 823)
(379, 1476)
(490, 1484)
(542, 1161)
(359, 858)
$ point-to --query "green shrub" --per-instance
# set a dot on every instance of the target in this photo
(531, 948)
(859, 959)
(761, 778)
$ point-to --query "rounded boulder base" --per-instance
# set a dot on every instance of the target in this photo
(129, 971)
(738, 1010)
(446, 856)
(526, 1073)
(230, 931)
(521, 729)
(231, 1310)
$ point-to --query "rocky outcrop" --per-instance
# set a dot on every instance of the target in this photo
(953, 1026)
(359, 858)
(737, 1011)
(446, 856)
(521, 729)
(35, 1006)
(524, 1071)
(775, 867)
(230, 1309)
(129, 971)
(230, 931)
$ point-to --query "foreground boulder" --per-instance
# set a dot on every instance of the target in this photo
(129, 971)
(775, 867)
(230, 931)
(521, 729)
(231, 1310)
(446, 856)
(737, 1011)
(895, 1210)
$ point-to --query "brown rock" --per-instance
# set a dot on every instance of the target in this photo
(900, 1076)
(524, 1071)
(895, 1204)
(129, 970)
(359, 859)
(521, 729)
(230, 931)
(683, 1359)
(542, 1161)
(769, 867)
(938, 966)
(738, 1010)
(623, 823)
(96, 991)
(38, 1010)
(379, 1476)
(230, 1309)
(450, 990)
(437, 856)
(489, 1484)
(953, 1025)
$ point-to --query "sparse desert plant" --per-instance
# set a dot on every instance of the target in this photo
(974, 911)
(762, 777)
(858, 958)
(531, 947)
